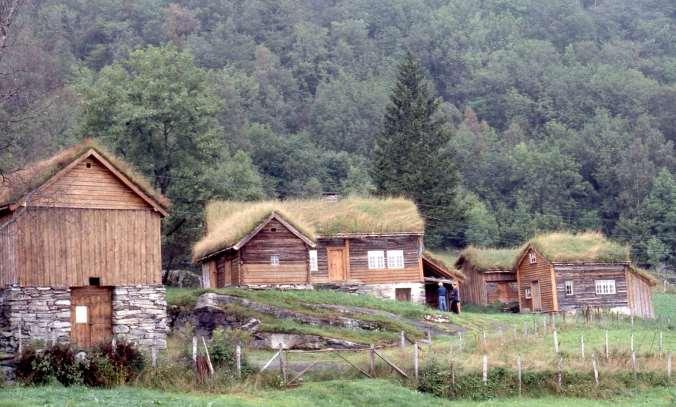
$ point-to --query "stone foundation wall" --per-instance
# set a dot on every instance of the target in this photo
(33, 314)
(388, 291)
(140, 315)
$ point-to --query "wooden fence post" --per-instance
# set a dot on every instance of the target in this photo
(582, 346)
(518, 370)
(461, 342)
(661, 346)
(485, 369)
(596, 369)
(194, 351)
(402, 340)
(559, 374)
(556, 342)
(606, 346)
(631, 344)
(484, 337)
(282, 362)
(669, 366)
(634, 366)
(415, 360)
(238, 360)
(429, 336)
(372, 360)
(206, 351)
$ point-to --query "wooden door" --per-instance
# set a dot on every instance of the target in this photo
(403, 294)
(337, 269)
(536, 296)
(225, 275)
(91, 316)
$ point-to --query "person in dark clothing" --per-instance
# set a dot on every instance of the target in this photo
(455, 299)
(443, 305)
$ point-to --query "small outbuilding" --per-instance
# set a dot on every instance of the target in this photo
(565, 272)
(437, 269)
(490, 276)
(80, 254)
(374, 245)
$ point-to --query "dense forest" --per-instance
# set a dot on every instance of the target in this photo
(560, 114)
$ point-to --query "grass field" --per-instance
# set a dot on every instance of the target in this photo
(333, 393)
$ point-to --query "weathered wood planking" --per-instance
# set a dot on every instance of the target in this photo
(640, 296)
(63, 247)
(583, 277)
(542, 272)
(89, 185)
(8, 252)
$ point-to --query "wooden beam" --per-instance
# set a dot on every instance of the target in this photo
(353, 365)
(401, 372)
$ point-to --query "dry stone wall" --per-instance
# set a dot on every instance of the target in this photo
(140, 315)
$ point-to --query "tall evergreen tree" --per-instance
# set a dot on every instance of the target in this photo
(412, 156)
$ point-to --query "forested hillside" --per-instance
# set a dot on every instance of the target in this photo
(561, 113)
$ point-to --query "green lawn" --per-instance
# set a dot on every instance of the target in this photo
(333, 393)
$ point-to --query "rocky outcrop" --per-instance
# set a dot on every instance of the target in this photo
(269, 340)
(181, 278)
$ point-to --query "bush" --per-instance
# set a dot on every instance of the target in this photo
(222, 350)
(54, 363)
(124, 358)
(433, 380)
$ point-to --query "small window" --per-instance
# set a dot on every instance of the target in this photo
(532, 258)
(274, 260)
(605, 287)
(313, 261)
(376, 259)
(395, 259)
(81, 314)
(569, 287)
(527, 293)
(95, 281)
(88, 164)
(273, 230)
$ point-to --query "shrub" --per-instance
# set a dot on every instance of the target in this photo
(54, 363)
(125, 359)
(98, 371)
(222, 350)
(432, 379)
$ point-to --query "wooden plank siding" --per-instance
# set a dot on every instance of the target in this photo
(63, 247)
(639, 296)
(473, 289)
(89, 187)
(8, 251)
(583, 277)
(488, 287)
(274, 240)
(358, 259)
(541, 271)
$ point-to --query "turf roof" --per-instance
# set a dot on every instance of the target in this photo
(228, 222)
(441, 260)
(580, 247)
(484, 258)
(15, 185)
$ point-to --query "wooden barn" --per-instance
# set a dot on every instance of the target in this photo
(490, 277)
(438, 269)
(375, 244)
(563, 272)
(80, 253)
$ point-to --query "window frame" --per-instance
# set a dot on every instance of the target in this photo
(397, 255)
(274, 260)
(376, 258)
(528, 293)
(568, 284)
(532, 258)
(605, 287)
(312, 257)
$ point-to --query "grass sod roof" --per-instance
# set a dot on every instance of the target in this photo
(485, 258)
(16, 184)
(579, 247)
(228, 222)
(441, 260)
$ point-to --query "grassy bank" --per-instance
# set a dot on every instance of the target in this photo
(332, 393)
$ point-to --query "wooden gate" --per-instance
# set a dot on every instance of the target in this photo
(91, 316)
(336, 259)
(537, 297)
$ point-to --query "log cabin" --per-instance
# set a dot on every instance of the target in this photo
(375, 244)
(80, 257)
(490, 277)
(564, 272)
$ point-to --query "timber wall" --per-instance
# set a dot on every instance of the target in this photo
(640, 296)
(541, 271)
(583, 277)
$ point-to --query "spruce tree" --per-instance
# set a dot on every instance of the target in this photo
(412, 156)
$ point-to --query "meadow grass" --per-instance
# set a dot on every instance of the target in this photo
(341, 393)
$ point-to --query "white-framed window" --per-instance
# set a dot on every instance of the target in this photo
(376, 259)
(527, 293)
(313, 260)
(81, 314)
(604, 287)
(274, 260)
(532, 258)
(569, 287)
(395, 259)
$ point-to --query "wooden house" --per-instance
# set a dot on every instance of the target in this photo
(490, 277)
(80, 253)
(562, 272)
(375, 244)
